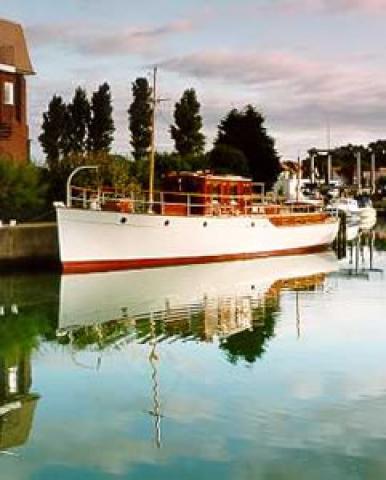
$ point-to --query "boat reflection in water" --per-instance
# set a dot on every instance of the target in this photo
(233, 303)
(199, 301)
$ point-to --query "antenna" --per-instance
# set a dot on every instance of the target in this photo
(328, 126)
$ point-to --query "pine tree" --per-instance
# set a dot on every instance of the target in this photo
(78, 119)
(101, 125)
(53, 138)
(140, 113)
(186, 132)
(245, 131)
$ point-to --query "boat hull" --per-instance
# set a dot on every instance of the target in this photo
(101, 241)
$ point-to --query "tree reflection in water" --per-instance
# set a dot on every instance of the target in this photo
(249, 345)
(28, 315)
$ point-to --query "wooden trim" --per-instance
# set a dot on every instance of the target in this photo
(109, 265)
(287, 220)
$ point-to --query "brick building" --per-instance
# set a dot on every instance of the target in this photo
(15, 64)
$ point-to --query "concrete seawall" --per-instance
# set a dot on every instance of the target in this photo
(32, 246)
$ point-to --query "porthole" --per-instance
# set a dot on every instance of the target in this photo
(123, 220)
(166, 223)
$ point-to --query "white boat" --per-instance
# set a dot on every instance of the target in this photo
(201, 218)
(360, 209)
(367, 213)
(352, 229)
(348, 205)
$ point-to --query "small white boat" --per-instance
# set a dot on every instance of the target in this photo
(348, 205)
(352, 229)
(367, 213)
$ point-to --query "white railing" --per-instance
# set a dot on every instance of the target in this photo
(182, 204)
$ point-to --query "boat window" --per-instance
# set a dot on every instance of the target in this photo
(233, 193)
(216, 191)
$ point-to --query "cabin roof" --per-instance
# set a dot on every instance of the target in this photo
(210, 176)
(13, 48)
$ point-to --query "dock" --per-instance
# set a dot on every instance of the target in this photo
(27, 246)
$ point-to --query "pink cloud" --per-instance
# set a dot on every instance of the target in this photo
(94, 40)
(296, 93)
(371, 7)
(334, 6)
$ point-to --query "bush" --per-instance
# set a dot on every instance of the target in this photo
(22, 192)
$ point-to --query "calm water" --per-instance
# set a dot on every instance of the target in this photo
(271, 369)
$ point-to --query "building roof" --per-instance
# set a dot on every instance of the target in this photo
(13, 48)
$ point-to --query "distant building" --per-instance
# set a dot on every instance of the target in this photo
(15, 64)
(366, 174)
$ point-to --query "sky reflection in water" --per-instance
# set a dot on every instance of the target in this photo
(265, 369)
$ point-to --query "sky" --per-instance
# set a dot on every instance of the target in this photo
(316, 69)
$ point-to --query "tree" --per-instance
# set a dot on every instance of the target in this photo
(140, 113)
(78, 118)
(54, 138)
(22, 193)
(173, 162)
(381, 186)
(344, 158)
(101, 126)
(226, 159)
(379, 147)
(245, 131)
(186, 132)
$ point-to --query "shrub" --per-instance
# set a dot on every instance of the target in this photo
(22, 192)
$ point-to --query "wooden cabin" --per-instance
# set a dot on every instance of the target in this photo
(15, 64)
(202, 193)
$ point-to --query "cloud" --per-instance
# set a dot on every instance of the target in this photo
(329, 6)
(247, 68)
(296, 93)
(287, 81)
(87, 39)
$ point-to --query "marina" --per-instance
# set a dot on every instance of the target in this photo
(280, 355)
(192, 240)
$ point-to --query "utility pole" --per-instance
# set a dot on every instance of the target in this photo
(373, 172)
(329, 167)
(359, 171)
(313, 167)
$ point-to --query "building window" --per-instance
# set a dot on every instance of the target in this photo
(9, 93)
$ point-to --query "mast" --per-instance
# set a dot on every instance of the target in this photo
(153, 357)
(152, 143)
